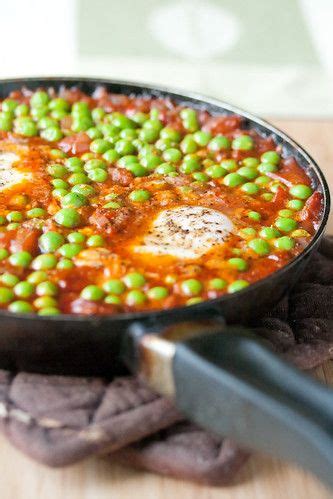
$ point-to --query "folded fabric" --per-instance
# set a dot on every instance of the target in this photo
(59, 420)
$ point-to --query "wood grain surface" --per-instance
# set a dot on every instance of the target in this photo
(261, 478)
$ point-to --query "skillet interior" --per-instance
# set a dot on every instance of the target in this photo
(75, 344)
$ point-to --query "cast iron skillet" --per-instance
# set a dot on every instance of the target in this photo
(222, 377)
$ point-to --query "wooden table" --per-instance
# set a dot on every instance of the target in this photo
(261, 478)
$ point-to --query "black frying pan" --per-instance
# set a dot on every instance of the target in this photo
(221, 376)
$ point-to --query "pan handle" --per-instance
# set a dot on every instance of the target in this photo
(231, 383)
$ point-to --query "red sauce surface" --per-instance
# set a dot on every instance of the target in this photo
(122, 226)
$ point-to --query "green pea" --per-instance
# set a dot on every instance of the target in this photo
(229, 164)
(188, 145)
(248, 172)
(76, 237)
(45, 302)
(47, 122)
(95, 133)
(217, 284)
(124, 147)
(216, 171)
(233, 180)
(20, 307)
(189, 166)
(80, 107)
(165, 169)
(98, 175)
(148, 135)
(114, 286)
(267, 168)
(58, 183)
(44, 262)
(81, 123)
(26, 126)
(194, 300)
(114, 205)
(68, 217)
(74, 164)
(37, 277)
(78, 178)
(69, 250)
(295, 204)
(267, 196)
(140, 118)
(49, 311)
(237, 286)
(238, 263)
(262, 180)
(57, 171)
(200, 177)
(6, 295)
(191, 287)
(284, 243)
(271, 157)
(112, 300)
(24, 289)
(47, 288)
(111, 156)
(259, 246)
(285, 213)
(151, 161)
(202, 138)
(286, 224)
(22, 110)
(300, 233)
(93, 164)
(170, 134)
(65, 264)
(127, 160)
(164, 144)
(50, 241)
(6, 123)
(97, 114)
(300, 191)
(14, 216)
(250, 162)
(38, 112)
(219, 143)
(243, 143)
(158, 293)
(100, 146)
(3, 254)
(173, 155)
(250, 188)
(73, 200)
(59, 193)
(153, 123)
(9, 105)
(137, 170)
(254, 215)
(92, 293)
(9, 279)
(13, 226)
(275, 186)
(20, 259)
(121, 121)
(135, 297)
(269, 233)
(134, 280)
(95, 241)
(51, 134)
(39, 98)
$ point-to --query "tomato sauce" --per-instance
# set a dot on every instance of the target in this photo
(83, 236)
